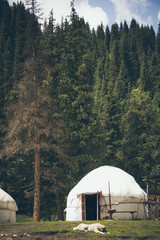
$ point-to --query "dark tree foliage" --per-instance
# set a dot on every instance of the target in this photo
(83, 97)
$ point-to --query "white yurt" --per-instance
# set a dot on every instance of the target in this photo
(106, 192)
(8, 208)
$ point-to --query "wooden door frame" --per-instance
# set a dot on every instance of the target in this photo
(83, 204)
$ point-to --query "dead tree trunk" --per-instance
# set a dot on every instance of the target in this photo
(36, 208)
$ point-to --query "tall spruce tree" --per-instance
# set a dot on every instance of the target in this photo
(56, 164)
(30, 121)
(154, 75)
(6, 67)
(107, 38)
(140, 125)
(75, 87)
(20, 23)
(133, 52)
(101, 113)
(143, 81)
(158, 41)
(23, 117)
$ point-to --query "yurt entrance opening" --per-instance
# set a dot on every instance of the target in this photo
(90, 206)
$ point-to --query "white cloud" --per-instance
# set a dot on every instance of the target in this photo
(159, 16)
(93, 15)
(150, 21)
(122, 10)
(143, 3)
(61, 8)
(128, 9)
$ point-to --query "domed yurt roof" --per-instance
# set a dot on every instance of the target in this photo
(105, 177)
(7, 202)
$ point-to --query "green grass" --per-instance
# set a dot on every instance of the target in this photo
(117, 229)
(23, 218)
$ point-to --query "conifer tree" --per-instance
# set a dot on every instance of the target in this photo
(114, 65)
(158, 41)
(101, 111)
(115, 34)
(19, 45)
(75, 87)
(139, 127)
(55, 170)
(147, 39)
(133, 53)
(6, 67)
(122, 84)
(25, 117)
(97, 90)
(154, 76)
(143, 81)
(107, 38)
(124, 46)
(100, 41)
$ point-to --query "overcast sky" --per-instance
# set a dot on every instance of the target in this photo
(146, 12)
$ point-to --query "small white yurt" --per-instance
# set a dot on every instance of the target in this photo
(106, 192)
(8, 208)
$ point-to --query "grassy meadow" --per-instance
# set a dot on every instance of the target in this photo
(117, 229)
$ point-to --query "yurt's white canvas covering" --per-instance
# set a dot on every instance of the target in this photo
(8, 208)
(103, 189)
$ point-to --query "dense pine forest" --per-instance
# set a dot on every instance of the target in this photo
(72, 99)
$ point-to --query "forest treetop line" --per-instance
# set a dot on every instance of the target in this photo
(73, 99)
